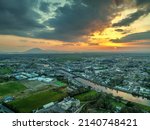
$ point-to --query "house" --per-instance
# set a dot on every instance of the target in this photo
(69, 102)
(8, 99)
(67, 105)
(48, 105)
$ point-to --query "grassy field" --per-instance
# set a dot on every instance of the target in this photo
(146, 108)
(11, 87)
(59, 84)
(36, 101)
(5, 70)
(118, 104)
(86, 96)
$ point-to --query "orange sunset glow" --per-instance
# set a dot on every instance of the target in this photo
(114, 26)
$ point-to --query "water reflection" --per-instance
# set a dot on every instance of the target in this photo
(125, 96)
(99, 88)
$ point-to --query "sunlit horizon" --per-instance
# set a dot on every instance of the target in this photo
(118, 26)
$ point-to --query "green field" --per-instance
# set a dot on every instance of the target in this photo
(143, 107)
(59, 84)
(86, 96)
(36, 101)
(11, 87)
(5, 70)
(118, 104)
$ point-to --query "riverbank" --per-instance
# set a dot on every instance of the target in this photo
(116, 93)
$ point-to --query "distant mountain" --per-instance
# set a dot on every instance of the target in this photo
(40, 51)
(35, 51)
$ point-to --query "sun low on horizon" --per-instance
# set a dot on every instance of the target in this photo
(75, 25)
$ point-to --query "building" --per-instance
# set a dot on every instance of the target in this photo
(8, 99)
(67, 105)
(4, 109)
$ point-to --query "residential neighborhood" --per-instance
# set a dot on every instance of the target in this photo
(51, 83)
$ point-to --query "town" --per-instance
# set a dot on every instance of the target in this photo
(73, 83)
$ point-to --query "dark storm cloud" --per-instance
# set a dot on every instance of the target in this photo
(17, 17)
(47, 6)
(74, 20)
(44, 6)
(118, 2)
(78, 19)
(143, 10)
(134, 37)
(142, 2)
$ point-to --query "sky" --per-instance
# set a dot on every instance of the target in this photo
(75, 25)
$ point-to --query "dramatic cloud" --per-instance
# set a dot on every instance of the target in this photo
(119, 2)
(131, 18)
(134, 37)
(44, 6)
(18, 17)
(142, 2)
(71, 23)
(142, 10)
(80, 18)
(74, 20)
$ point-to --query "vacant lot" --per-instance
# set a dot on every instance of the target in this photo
(34, 85)
(10, 88)
(36, 101)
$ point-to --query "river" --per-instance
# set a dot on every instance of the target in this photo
(99, 88)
